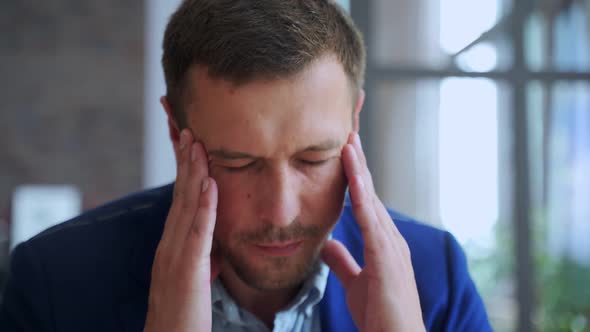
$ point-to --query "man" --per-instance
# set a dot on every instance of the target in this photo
(256, 234)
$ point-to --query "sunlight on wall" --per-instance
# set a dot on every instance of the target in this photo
(462, 21)
(468, 146)
(468, 126)
(345, 4)
(480, 58)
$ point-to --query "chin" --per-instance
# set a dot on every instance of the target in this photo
(276, 273)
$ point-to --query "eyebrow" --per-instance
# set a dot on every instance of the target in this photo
(232, 155)
(323, 146)
(228, 154)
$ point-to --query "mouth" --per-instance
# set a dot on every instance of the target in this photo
(287, 248)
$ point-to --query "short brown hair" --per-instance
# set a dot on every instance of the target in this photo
(243, 40)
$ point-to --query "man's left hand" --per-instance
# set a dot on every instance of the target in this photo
(381, 296)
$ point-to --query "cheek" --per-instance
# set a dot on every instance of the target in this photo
(328, 180)
(234, 205)
(323, 192)
(232, 189)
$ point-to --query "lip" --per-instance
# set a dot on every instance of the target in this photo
(279, 248)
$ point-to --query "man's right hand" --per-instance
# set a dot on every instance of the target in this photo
(180, 290)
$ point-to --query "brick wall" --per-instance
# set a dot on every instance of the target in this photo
(71, 93)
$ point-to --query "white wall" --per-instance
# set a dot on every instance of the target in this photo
(158, 166)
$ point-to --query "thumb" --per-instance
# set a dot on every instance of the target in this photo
(337, 257)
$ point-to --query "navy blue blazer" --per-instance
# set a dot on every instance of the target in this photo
(92, 273)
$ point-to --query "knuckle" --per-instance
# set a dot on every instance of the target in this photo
(381, 240)
(359, 204)
(187, 206)
(184, 206)
(197, 229)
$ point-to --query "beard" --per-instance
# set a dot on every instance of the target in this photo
(268, 273)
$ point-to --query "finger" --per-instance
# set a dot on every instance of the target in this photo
(355, 140)
(198, 172)
(182, 171)
(182, 164)
(196, 252)
(381, 212)
(386, 220)
(362, 204)
(358, 148)
(391, 228)
(339, 259)
(384, 230)
(196, 255)
(200, 238)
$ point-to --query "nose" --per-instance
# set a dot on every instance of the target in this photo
(279, 197)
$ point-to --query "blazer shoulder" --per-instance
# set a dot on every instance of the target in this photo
(435, 253)
(82, 263)
(125, 212)
(421, 238)
(448, 295)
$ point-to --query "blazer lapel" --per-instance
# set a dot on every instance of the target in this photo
(333, 308)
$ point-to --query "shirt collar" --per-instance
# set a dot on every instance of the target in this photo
(310, 294)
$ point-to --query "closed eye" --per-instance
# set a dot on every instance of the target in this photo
(239, 168)
(312, 162)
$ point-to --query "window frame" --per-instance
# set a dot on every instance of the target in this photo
(516, 77)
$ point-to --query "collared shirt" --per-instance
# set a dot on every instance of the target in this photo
(302, 315)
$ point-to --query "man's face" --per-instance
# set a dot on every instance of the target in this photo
(274, 150)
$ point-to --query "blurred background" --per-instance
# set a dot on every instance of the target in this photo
(477, 120)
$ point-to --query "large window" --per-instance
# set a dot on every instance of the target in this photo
(477, 120)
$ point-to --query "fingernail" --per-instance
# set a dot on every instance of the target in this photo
(194, 152)
(183, 139)
(351, 138)
(205, 185)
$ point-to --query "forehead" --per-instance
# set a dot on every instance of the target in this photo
(268, 116)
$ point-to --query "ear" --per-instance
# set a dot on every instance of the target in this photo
(173, 128)
(357, 110)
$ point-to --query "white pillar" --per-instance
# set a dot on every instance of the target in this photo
(158, 162)
(404, 119)
(345, 4)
